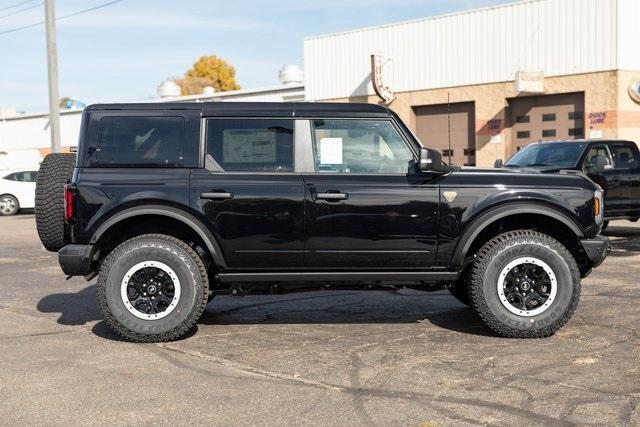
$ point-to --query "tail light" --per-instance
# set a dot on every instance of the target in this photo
(69, 203)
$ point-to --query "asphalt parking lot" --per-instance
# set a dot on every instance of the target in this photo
(321, 358)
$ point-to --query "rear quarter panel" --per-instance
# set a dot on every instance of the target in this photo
(103, 192)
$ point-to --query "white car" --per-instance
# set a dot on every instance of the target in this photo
(17, 190)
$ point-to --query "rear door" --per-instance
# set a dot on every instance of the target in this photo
(249, 192)
(369, 209)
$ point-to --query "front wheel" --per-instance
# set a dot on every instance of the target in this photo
(524, 284)
(9, 205)
(152, 288)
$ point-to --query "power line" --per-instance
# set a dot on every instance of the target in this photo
(16, 5)
(80, 12)
(15, 12)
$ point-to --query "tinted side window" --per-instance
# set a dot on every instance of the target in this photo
(624, 157)
(250, 145)
(359, 146)
(138, 142)
(28, 176)
(10, 177)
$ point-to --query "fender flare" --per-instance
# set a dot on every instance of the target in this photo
(186, 218)
(503, 211)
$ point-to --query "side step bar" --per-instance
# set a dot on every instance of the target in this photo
(345, 276)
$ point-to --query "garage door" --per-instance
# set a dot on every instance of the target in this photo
(547, 117)
(432, 127)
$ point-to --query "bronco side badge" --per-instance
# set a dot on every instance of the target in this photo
(450, 195)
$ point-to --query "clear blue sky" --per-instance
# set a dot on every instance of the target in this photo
(123, 51)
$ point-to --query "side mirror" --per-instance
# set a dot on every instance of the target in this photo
(498, 163)
(431, 162)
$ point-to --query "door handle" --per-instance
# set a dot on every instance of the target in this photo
(332, 196)
(216, 196)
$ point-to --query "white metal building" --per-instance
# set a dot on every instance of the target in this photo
(576, 59)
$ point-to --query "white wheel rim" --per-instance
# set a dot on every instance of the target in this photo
(501, 284)
(125, 283)
(7, 205)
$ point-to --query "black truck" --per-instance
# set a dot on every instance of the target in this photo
(612, 164)
(171, 204)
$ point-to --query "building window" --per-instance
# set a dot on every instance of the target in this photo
(575, 115)
(578, 132)
(447, 153)
(549, 117)
(547, 133)
(523, 119)
(469, 151)
(523, 134)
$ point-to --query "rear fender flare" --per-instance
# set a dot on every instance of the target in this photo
(188, 219)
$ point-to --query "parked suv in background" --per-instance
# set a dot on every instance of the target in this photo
(171, 204)
(612, 164)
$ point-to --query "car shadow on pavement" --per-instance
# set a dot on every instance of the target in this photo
(625, 241)
(77, 308)
(354, 307)
(324, 307)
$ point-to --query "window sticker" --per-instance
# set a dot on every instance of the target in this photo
(249, 146)
(331, 151)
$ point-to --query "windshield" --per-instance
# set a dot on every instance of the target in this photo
(560, 155)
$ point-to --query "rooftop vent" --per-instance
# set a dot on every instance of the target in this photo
(208, 91)
(168, 89)
(291, 75)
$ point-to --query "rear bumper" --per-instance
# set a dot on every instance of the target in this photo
(596, 249)
(76, 260)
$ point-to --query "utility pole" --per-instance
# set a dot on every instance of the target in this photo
(52, 68)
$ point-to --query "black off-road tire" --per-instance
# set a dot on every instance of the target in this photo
(55, 172)
(460, 290)
(495, 255)
(176, 254)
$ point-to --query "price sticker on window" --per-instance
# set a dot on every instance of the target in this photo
(331, 151)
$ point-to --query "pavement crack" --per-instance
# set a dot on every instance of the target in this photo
(417, 397)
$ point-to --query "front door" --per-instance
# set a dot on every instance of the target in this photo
(369, 208)
(624, 178)
(250, 194)
(598, 164)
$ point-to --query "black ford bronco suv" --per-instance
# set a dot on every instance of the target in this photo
(171, 204)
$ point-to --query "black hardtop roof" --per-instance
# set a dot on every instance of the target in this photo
(258, 109)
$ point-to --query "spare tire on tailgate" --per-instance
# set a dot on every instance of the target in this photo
(55, 172)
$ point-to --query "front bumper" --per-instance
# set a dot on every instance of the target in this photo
(596, 249)
(76, 260)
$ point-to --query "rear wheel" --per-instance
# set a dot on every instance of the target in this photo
(8, 205)
(152, 288)
(55, 172)
(524, 284)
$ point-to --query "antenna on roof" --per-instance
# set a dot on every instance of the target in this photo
(449, 125)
